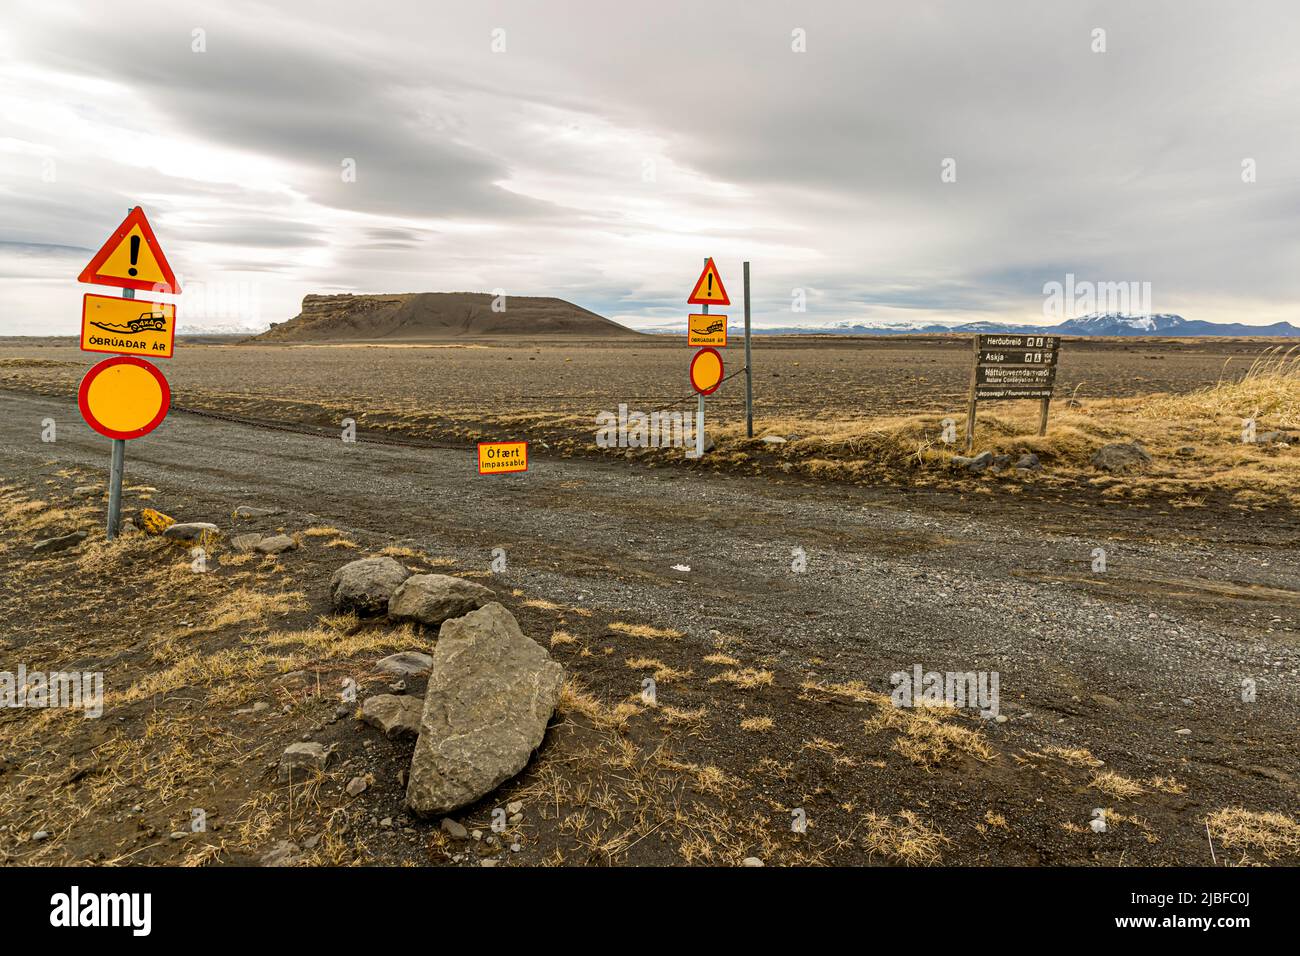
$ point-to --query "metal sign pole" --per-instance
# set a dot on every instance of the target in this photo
(970, 409)
(749, 373)
(699, 416)
(116, 464)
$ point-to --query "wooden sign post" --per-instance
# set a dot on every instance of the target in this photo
(1011, 367)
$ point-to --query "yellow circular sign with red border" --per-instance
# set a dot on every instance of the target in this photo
(124, 397)
(706, 371)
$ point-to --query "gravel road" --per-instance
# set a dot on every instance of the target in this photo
(1189, 605)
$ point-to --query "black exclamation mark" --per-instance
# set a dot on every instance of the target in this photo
(135, 254)
(710, 279)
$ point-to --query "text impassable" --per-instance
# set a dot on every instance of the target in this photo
(502, 457)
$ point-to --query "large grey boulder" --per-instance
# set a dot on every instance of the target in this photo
(434, 598)
(491, 692)
(1121, 457)
(366, 585)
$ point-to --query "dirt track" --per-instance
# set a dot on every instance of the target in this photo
(1116, 662)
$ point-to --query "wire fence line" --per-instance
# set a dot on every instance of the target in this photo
(317, 431)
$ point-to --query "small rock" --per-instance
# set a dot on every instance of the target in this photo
(751, 861)
(356, 786)
(282, 853)
(405, 664)
(127, 527)
(40, 835)
(515, 848)
(1029, 462)
(178, 835)
(974, 465)
(431, 599)
(1121, 457)
(516, 818)
(476, 835)
(191, 531)
(386, 823)
(772, 440)
(277, 544)
(307, 757)
(246, 542)
(87, 491)
(488, 862)
(395, 716)
(453, 829)
(248, 511)
(366, 585)
(61, 543)
(1098, 822)
(515, 806)
(1185, 732)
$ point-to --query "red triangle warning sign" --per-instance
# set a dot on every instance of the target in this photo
(708, 288)
(132, 259)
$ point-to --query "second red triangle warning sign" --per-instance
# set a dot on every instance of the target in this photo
(708, 288)
(132, 259)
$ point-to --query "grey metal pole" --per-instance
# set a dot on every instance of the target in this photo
(699, 412)
(117, 463)
(115, 488)
(749, 373)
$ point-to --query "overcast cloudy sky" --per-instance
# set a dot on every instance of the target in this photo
(598, 150)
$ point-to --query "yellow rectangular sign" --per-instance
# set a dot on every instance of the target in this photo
(707, 330)
(502, 457)
(127, 326)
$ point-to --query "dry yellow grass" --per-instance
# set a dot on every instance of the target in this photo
(1116, 785)
(1273, 834)
(723, 660)
(663, 674)
(904, 839)
(759, 725)
(1210, 420)
(927, 737)
(745, 678)
(644, 630)
(560, 638)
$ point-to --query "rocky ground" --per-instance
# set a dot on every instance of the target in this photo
(769, 614)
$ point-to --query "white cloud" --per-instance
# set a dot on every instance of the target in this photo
(612, 146)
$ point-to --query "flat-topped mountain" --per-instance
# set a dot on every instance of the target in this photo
(422, 316)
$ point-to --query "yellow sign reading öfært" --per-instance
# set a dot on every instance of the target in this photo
(502, 457)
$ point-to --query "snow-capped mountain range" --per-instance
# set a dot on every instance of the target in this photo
(1109, 323)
